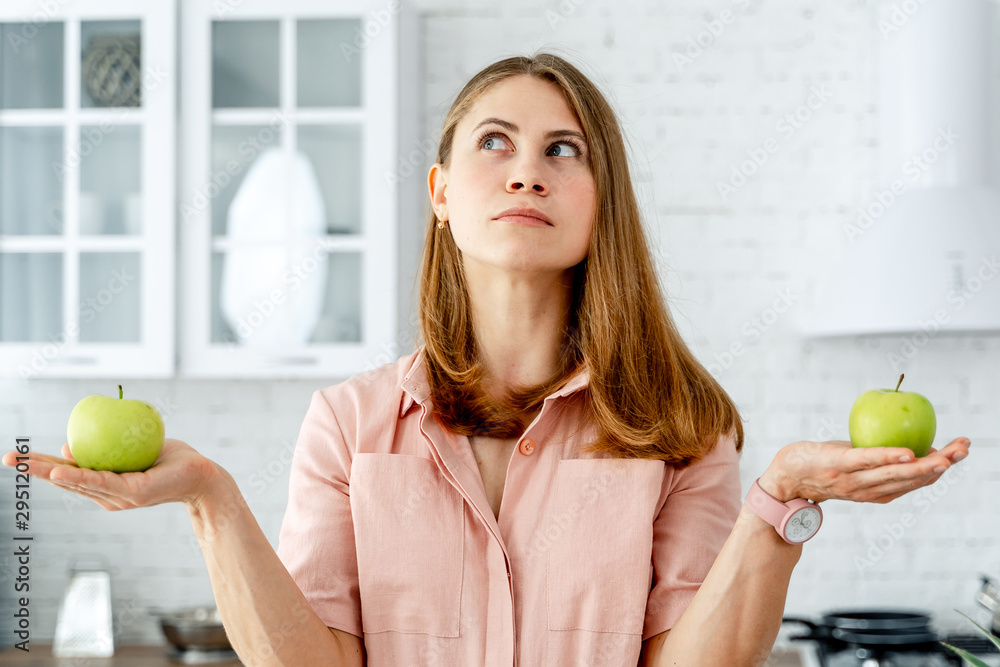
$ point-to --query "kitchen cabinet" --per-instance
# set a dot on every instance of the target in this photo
(87, 136)
(279, 183)
(288, 212)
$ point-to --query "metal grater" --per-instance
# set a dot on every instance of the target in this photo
(84, 626)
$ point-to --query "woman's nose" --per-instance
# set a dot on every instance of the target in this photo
(527, 174)
(519, 185)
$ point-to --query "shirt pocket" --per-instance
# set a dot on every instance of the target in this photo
(600, 532)
(409, 532)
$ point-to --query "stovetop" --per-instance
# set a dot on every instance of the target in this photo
(863, 658)
(926, 656)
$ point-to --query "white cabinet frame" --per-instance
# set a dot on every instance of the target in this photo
(376, 242)
(63, 355)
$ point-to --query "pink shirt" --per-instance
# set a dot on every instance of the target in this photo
(390, 536)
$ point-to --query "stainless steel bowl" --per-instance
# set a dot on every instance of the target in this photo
(195, 628)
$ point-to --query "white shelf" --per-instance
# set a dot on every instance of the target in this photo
(293, 116)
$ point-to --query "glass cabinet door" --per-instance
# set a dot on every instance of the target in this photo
(111, 181)
(29, 315)
(287, 206)
(84, 113)
(31, 65)
(293, 184)
(31, 192)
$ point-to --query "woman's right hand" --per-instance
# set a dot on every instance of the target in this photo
(180, 474)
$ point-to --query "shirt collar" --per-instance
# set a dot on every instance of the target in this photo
(416, 388)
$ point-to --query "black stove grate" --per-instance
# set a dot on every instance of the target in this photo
(976, 644)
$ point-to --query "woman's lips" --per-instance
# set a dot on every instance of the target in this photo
(523, 220)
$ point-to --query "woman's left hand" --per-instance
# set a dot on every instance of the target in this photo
(834, 470)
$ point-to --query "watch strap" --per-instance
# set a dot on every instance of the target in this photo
(766, 506)
(776, 512)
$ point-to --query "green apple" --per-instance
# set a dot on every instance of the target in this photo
(116, 434)
(893, 418)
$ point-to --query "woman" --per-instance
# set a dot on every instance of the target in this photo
(552, 478)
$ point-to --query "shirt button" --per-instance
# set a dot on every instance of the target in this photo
(527, 446)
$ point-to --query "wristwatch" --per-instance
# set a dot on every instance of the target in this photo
(796, 521)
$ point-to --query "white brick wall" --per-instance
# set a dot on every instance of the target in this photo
(723, 262)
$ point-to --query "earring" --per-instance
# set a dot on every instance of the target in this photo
(440, 224)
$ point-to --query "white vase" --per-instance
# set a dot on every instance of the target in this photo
(274, 277)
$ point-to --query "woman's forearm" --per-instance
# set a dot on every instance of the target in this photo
(267, 618)
(735, 616)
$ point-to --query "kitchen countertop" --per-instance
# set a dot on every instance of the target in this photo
(125, 656)
(157, 656)
(789, 658)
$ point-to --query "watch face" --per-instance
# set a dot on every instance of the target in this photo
(803, 524)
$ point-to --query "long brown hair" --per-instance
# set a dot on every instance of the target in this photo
(648, 394)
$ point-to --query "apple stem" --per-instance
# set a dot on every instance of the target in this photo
(900, 381)
(121, 394)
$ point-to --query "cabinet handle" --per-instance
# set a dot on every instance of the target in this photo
(293, 361)
(72, 361)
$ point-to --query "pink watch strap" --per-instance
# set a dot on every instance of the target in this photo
(766, 506)
(774, 511)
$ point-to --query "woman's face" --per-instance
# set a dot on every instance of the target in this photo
(519, 146)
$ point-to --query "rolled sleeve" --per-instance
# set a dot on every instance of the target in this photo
(688, 533)
(316, 542)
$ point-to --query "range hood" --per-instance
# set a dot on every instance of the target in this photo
(922, 253)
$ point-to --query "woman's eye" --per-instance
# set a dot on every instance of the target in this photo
(493, 142)
(575, 152)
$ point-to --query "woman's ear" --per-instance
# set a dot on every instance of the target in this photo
(437, 182)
